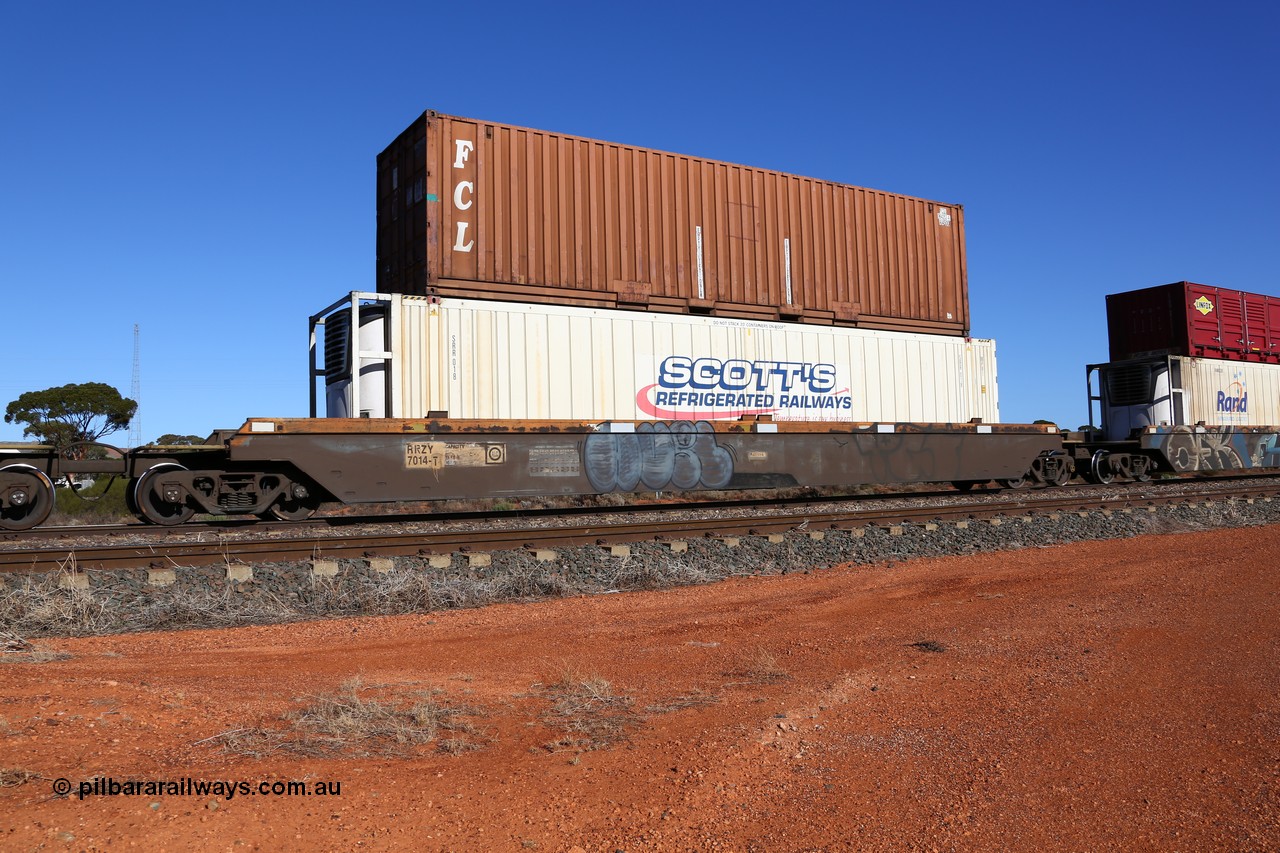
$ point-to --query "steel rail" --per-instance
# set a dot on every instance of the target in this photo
(325, 522)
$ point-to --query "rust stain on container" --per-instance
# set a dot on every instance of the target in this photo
(485, 210)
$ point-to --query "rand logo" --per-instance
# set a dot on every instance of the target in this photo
(1235, 399)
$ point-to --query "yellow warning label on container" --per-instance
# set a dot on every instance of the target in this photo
(1203, 305)
(434, 455)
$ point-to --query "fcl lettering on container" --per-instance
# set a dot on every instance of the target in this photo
(463, 148)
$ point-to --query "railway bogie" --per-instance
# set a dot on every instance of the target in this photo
(1105, 465)
(1054, 468)
(166, 486)
(168, 493)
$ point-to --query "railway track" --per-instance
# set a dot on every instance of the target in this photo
(150, 547)
(322, 524)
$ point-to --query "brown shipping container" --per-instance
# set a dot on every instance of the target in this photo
(476, 209)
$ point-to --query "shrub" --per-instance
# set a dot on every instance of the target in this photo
(100, 503)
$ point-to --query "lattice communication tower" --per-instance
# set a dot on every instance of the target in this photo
(135, 392)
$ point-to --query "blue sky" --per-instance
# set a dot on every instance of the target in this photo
(207, 172)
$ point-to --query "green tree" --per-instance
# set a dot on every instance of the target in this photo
(171, 439)
(71, 413)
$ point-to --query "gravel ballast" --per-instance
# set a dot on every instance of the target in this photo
(204, 597)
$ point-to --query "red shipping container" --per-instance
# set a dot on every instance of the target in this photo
(1196, 320)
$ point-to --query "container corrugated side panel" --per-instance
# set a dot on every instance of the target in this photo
(1245, 327)
(1215, 317)
(508, 361)
(413, 378)
(1212, 388)
(1261, 330)
(980, 384)
(1272, 323)
(519, 214)
(1205, 312)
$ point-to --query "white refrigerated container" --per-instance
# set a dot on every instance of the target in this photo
(473, 359)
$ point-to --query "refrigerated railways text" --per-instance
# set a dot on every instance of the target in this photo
(729, 400)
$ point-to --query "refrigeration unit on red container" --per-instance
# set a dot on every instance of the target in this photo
(1196, 320)
(480, 210)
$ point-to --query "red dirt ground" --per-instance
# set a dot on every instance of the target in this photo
(1102, 696)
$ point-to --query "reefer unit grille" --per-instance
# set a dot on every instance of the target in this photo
(1130, 384)
(337, 345)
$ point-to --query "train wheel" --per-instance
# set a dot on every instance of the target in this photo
(30, 502)
(1059, 475)
(1015, 482)
(292, 509)
(151, 505)
(1100, 468)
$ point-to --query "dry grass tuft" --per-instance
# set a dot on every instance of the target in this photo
(35, 656)
(15, 649)
(587, 710)
(40, 606)
(695, 698)
(362, 721)
(12, 777)
(631, 574)
(13, 644)
(186, 607)
(760, 667)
